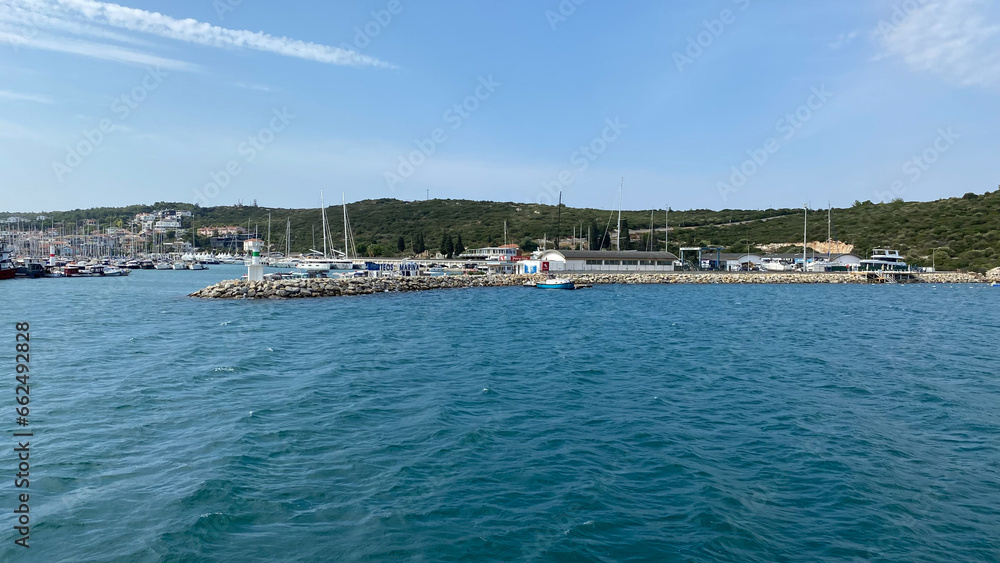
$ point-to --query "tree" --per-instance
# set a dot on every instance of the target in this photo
(401, 244)
(418, 244)
(623, 237)
(459, 247)
(449, 246)
(528, 245)
(443, 247)
(374, 250)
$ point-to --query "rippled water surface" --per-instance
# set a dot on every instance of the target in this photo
(619, 423)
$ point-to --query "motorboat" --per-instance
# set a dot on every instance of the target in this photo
(556, 283)
(115, 271)
(884, 259)
(7, 267)
(30, 268)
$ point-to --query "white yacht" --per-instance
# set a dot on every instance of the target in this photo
(884, 259)
(773, 265)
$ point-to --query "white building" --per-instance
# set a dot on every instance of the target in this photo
(166, 224)
(586, 261)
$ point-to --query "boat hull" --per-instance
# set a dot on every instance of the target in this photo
(543, 285)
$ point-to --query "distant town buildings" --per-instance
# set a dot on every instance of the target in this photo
(160, 221)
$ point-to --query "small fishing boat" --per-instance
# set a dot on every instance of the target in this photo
(30, 268)
(556, 283)
(114, 271)
(196, 266)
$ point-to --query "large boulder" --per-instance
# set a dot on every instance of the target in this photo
(993, 274)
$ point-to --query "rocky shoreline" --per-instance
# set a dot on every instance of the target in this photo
(324, 287)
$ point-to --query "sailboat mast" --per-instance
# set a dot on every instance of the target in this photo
(618, 235)
(288, 237)
(558, 217)
(347, 244)
(829, 229)
(322, 205)
(805, 218)
(269, 235)
(666, 229)
(651, 230)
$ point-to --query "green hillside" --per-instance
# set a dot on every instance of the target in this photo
(965, 231)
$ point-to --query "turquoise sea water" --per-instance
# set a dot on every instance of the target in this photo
(619, 423)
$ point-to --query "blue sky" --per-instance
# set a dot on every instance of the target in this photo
(714, 104)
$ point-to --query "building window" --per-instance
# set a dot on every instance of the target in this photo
(646, 262)
(593, 262)
(630, 262)
(612, 262)
(662, 262)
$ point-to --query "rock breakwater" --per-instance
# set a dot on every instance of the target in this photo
(327, 287)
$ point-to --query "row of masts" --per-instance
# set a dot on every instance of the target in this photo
(350, 251)
(618, 244)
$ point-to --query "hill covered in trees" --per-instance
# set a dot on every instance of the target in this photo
(963, 233)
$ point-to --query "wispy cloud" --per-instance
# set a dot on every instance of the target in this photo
(90, 12)
(94, 50)
(258, 87)
(8, 95)
(951, 38)
(17, 18)
(843, 40)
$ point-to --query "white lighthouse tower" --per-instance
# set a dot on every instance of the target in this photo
(255, 271)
